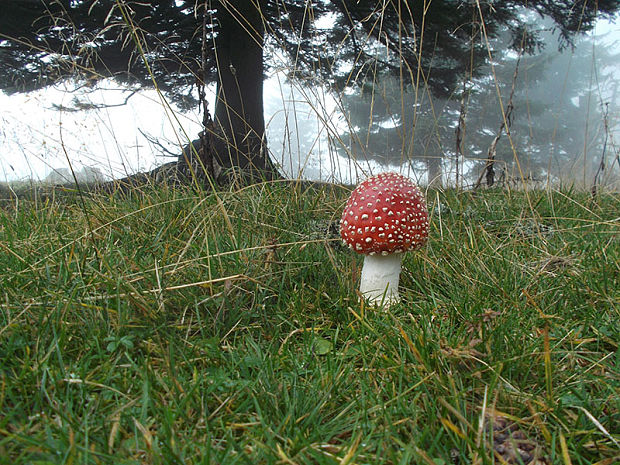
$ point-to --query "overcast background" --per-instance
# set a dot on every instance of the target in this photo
(39, 136)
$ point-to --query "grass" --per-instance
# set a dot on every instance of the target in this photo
(176, 327)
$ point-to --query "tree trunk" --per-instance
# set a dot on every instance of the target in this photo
(239, 121)
(434, 172)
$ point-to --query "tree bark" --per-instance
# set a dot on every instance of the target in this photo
(239, 140)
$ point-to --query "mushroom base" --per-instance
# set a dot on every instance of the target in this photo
(379, 282)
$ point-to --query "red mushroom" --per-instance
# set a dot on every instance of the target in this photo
(385, 216)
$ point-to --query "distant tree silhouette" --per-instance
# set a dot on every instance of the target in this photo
(390, 124)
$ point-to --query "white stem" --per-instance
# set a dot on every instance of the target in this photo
(380, 274)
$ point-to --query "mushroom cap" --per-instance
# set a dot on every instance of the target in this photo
(385, 214)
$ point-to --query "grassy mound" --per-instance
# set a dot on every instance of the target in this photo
(184, 327)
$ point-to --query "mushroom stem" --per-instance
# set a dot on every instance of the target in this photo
(379, 282)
